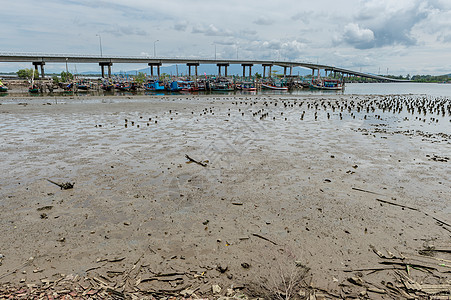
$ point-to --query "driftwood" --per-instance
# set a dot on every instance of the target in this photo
(396, 204)
(195, 161)
(64, 185)
(415, 209)
(262, 237)
(365, 191)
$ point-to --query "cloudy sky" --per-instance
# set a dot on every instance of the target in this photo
(403, 36)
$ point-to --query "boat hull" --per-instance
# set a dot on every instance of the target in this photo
(326, 88)
(272, 87)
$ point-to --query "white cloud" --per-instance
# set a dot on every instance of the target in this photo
(261, 29)
(361, 38)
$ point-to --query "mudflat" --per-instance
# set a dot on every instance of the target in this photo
(293, 196)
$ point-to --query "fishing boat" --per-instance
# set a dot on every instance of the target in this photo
(3, 88)
(222, 86)
(326, 84)
(107, 86)
(188, 86)
(247, 86)
(274, 87)
(154, 86)
(33, 89)
(125, 86)
(82, 86)
(174, 87)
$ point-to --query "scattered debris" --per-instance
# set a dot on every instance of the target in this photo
(63, 186)
(262, 237)
(195, 161)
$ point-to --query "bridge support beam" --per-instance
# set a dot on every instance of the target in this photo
(264, 69)
(195, 65)
(39, 63)
(103, 65)
(244, 69)
(151, 65)
(225, 65)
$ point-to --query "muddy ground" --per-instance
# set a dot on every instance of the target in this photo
(333, 203)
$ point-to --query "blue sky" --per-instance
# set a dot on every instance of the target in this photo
(369, 35)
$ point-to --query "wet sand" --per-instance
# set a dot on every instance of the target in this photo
(282, 193)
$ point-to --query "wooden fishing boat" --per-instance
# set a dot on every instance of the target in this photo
(188, 86)
(154, 86)
(326, 84)
(174, 87)
(222, 86)
(274, 87)
(33, 89)
(247, 86)
(107, 86)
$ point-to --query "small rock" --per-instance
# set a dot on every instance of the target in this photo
(187, 293)
(245, 265)
(216, 289)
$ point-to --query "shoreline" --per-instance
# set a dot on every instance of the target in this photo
(289, 188)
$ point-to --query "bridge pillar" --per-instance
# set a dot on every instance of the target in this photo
(225, 65)
(151, 65)
(264, 69)
(291, 70)
(103, 65)
(284, 71)
(39, 63)
(189, 68)
(244, 69)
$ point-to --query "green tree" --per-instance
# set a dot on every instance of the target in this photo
(258, 75)
(140, 78)
(55, 79)
(66, 76)
(27, 73)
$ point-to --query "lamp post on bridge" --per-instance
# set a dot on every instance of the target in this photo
(100, 43)
(154, 49)
(215, 49)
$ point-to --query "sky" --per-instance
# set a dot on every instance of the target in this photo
(397, 37)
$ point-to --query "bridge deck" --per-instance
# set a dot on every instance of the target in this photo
(63, 58)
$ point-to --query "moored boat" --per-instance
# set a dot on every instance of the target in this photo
(327, 84)
(154, 86)
(247, 86)
(274, 87)
(33, 89)
(174, 87)
(3, 88)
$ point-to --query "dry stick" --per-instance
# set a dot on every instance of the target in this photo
(365, 191)
(262, 237)
(396, 204)
(416, 209)
(407, 264)
(195, 161)
(372, 269)
(30, 260)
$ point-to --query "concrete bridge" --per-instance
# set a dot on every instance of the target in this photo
(39, 60)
